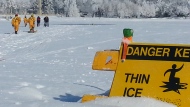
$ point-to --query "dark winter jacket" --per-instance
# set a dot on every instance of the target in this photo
(46, 19)
(38, 19)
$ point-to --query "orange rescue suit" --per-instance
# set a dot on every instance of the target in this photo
(16, 22)
(31, 22)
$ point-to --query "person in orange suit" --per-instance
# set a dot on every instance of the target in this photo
(16, 23)
(31, 22)
(25, 21)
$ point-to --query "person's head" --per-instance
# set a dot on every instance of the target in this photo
(25, 16)
(32, 15)
(16, 14)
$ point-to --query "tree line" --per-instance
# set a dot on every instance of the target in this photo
(99, 8)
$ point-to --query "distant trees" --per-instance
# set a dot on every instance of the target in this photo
(172, 8)
(47, 7)
(99, 8)
(73, 10)
(58, 6)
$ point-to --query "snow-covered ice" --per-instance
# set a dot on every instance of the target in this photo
(53, 67)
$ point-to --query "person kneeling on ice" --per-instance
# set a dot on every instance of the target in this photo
(31, 22)
(127, 39)
(15, 23)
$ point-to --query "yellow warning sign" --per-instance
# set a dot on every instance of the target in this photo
(106, 60)
(154, 70)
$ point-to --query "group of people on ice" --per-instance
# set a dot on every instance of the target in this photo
(31, 21)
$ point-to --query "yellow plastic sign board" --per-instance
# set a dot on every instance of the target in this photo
(106, 60)
(161, 71)
(88, 97)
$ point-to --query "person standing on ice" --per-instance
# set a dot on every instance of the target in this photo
(16, 23)
(38, 21)
(127, 39)
(31, 22)
(25, 21)
(46, 21)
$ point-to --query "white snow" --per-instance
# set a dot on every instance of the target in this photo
(53, 67)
